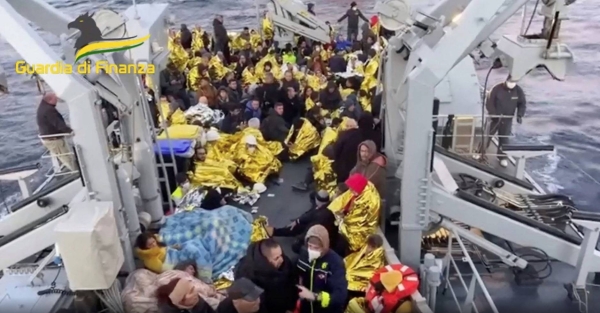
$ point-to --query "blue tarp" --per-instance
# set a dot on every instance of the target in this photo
(216, 240)
(181, 147)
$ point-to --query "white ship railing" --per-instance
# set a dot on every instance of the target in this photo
(57, 166)
(452, 270)
(467, 138)
(419, 303)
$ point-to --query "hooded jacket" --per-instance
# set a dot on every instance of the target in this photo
(325, 276)
(279, 284)
(374, 169)
(251, 112)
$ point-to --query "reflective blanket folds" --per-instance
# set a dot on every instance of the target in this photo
(362, 215)
(360, 267)
(216, 240)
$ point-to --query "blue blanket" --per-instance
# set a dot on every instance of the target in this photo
(181, 147)
(216, 240)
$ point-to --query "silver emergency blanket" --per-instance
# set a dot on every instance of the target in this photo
(201, 112)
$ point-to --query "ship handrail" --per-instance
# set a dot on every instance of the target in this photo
(449, 262)
(519, 182)
(418, 301)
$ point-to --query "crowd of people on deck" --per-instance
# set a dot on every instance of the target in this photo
(302, 100)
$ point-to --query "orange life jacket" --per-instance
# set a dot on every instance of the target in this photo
(380, 300)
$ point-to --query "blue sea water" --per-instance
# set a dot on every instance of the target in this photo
(564, 114)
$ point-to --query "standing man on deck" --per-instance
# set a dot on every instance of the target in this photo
(53, 129)
(353, 14)
(505, 99)
(221, 37)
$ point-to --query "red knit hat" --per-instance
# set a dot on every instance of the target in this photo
(357, 183)
(374, 20)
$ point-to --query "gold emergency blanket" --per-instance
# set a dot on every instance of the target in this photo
(214, 174)
(259, 230)
(323, 173)
(249, 78)
(182, 132)
(361, 219)
(359, 305)
(219, 70)
(307, 139)
(233, 142)
(215, 154)
(222, 283)
(178, 55)
(257, 166)
(267, 28)
(370, 80)
(360, 267)
(177, 118)
(259, 69)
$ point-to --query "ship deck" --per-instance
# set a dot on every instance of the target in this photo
(551, 296)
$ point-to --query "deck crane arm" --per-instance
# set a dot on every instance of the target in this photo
(291, 18)
(435, 52)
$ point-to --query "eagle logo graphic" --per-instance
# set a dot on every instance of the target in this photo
(91, 42)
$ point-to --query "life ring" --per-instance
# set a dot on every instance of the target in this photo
(382, 300)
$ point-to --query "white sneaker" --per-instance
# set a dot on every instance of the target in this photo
(504, 162)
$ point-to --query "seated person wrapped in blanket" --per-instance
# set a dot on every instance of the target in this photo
(212, 173)
(215, 240)
(139, 294)
(304, 136)
(256, 162)
(361, 265)
(357, 210)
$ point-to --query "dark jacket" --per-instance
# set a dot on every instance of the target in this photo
(289, 84)
(368, 131)
(226, 306)
(230, 123)
(201, 307)
(268, 94)
(337, 64)
(166, 77)
(220, 32)
(314, 216)
(330, 100)
(250, 112)
(505, 101)
(186, 37)
(279, 284)
(326, 276)
(353, 17)
(235, 95)
(292, 109)
(344, 152)
(50, 121)
(274, 128)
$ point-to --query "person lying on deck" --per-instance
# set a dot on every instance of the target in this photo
(318, 214)
(270, 269)
(180, 295)
(323, 285)
(151, 251)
